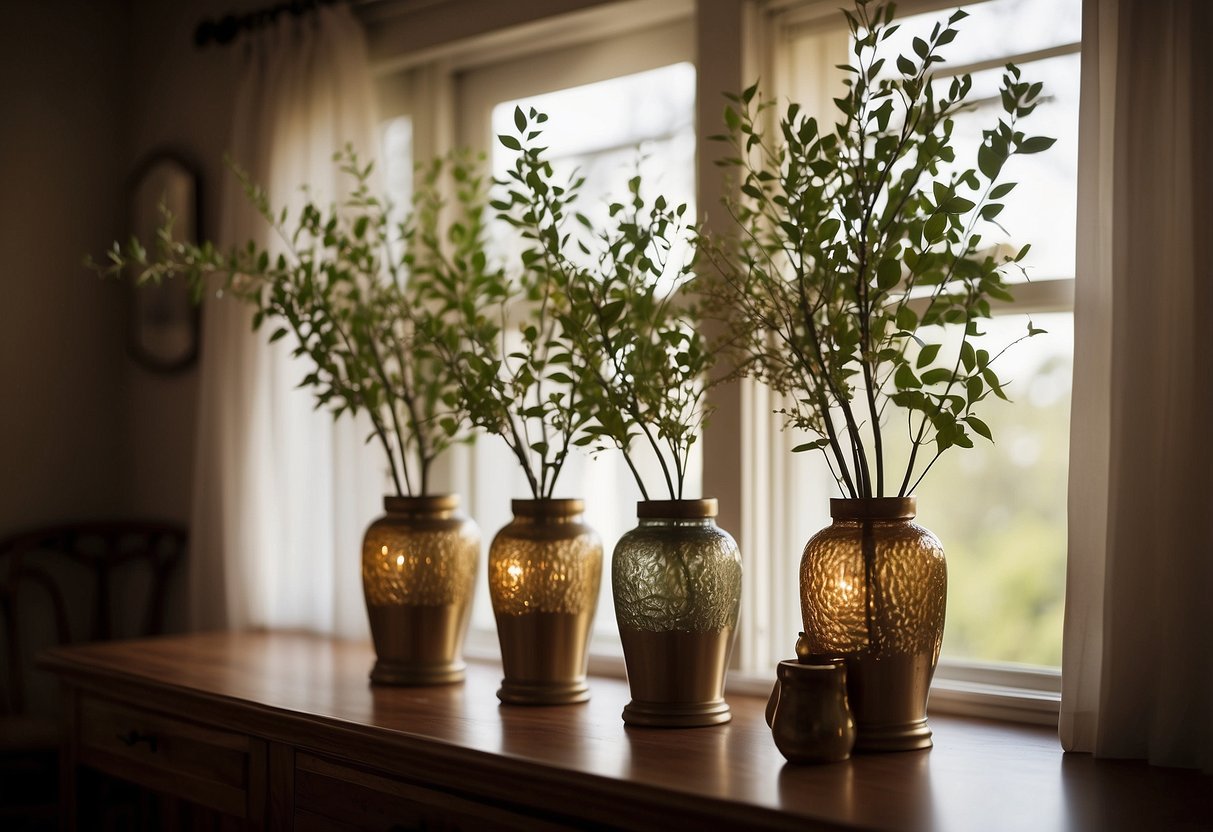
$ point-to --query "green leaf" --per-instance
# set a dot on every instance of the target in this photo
(993, 382)
(1035, 144)
(811, 446)
(927, 354)
(989, 161)
(888, 274)
(509, 142)
(967, 356)
(612, 311)
(973, 389)
(905, 379)
(979, 427)
(934, 227)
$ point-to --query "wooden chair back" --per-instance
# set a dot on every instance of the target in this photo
(73, 583)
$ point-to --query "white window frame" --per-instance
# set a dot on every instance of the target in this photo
(457, 87)
(1003, 691)
(418, 60)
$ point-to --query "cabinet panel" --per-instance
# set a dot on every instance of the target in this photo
(329, 795)
(204, 765)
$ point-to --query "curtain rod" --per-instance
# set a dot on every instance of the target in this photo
(227, 28)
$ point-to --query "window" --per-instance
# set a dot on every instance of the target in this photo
(620, 84)
(1000, 510)
(616, 105)
(605, 131)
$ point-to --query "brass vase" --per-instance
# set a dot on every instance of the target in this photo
(545, 568)
(676, 581)
(418, 574)
(873, 587)
(808, 712)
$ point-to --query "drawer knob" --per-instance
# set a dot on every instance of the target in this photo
(132, 738)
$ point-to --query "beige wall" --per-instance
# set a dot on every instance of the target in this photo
(179, 98)
(88, 88)
(62, 370)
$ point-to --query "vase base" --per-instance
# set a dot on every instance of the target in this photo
(543, 693)
(905, 736)
(676, 714)
(408, 674)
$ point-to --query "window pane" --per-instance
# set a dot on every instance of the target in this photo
(1042, 209)
(1000, 509)
(397, 164)
(610, 131)
(996, 28)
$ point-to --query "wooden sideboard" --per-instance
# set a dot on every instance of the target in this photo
(281, 730)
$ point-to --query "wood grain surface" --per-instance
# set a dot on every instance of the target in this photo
(579, 765)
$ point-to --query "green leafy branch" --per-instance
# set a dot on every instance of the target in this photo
(500, 332)
(629, 318)
(339, 282)
(859, 244)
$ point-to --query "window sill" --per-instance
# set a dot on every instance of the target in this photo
(1026, 695)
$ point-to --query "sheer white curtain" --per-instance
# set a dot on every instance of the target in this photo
(282, 493)
(1137, 678)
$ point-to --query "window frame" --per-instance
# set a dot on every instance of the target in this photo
(459, 86)
(969, 688)
(743, 469)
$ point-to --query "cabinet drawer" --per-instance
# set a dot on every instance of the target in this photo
(330, 796)
(197, 763)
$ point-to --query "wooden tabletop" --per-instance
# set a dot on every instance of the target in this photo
(312, 692)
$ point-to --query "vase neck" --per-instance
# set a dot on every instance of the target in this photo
(825, 673)
(547, 511)
(675, 522)
(439, 505)
(668, 510)
(874, 508)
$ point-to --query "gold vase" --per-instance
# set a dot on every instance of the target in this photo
(676, 581)
(418, 575)
(873, 587)
(545, 568)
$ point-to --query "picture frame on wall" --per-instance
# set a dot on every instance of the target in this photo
(164, 328)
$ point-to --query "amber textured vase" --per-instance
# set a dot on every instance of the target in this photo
(676, 581)
(873, 587)
(418, 575)
(545, 568)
